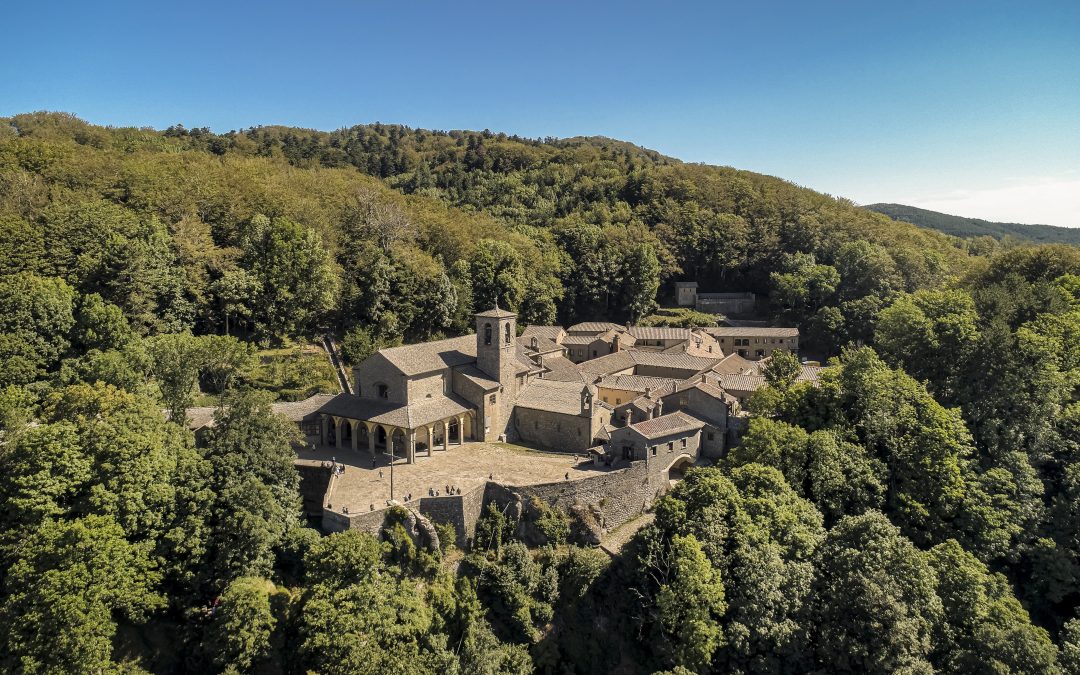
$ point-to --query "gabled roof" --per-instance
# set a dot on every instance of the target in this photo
(733, 364)
(543, 345)
(425, 357)
(668, 425)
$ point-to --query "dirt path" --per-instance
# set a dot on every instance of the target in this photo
(621, 535)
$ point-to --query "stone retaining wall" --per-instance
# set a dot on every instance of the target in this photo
(618, 495)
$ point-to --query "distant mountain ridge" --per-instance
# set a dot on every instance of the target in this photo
(958, 226)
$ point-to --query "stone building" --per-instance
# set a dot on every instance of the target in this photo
(728, 304)
(752, 342)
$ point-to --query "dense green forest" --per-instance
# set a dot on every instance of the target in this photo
(958, 226)
(916, 512)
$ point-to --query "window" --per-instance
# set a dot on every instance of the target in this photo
(671, 446)
(653, 448)
(684, 442)
(383, 390)
(594, 353)
(507, 332)
(487, 333)
(492, 399)
(710, 435)
(618, 401)
(605, 399)
(536, 424)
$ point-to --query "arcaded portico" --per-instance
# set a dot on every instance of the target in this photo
(378, 433)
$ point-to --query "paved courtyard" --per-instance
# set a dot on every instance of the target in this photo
(466, 467)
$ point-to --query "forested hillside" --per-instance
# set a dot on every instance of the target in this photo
(958, 226)
(917, 512)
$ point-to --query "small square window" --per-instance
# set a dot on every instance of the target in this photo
(492, 399)
(710, 435)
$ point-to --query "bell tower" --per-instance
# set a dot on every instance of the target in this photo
(496, 344)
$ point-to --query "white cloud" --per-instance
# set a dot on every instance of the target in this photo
(1046, 201)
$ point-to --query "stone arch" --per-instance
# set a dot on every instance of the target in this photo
(679, 466)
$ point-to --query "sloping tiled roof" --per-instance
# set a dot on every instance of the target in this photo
(667, 425)
(634, 382)
(742, 382)
(549, 332)
(552, 396)
(562, 369)
(745, 331)
(410, 416)
(609, 363)
(425, 357)
(593, 327)
(544, 345)
(733, 364)
(478, 377)
(667, 360)
(578, 340)
(659, 333)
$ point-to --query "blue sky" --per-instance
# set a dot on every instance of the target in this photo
(968, 107)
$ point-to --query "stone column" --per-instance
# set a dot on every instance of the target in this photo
(430, 439)
(446, 434)
(370, 439)
(325, 421)
(461, 430)
(338, 434)
(410, 446)
(355, 426)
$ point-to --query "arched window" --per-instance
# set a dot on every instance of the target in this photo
(383, 390)
(487, 333)
(507, 331)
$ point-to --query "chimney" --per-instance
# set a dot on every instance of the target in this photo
(536, 344)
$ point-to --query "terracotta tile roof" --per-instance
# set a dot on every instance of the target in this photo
(747, 331)
(667, 425)
(552, 396)
(425, 357)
